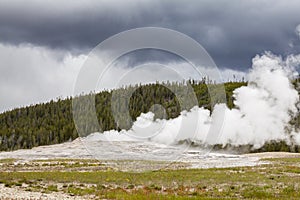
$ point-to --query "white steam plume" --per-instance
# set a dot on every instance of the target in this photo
(263, 111)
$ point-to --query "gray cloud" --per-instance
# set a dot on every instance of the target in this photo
(231, 32)
(31, 74)
(41, 42)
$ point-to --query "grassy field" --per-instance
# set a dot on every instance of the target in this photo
(280, 179)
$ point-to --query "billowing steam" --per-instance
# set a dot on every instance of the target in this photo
(262, 112)
(264, 107)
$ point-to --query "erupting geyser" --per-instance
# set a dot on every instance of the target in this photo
(262, 112)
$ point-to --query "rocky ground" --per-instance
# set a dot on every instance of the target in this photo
(126, 159)
(91, 165)
(8, 193)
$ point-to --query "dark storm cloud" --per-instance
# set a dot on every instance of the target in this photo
(231, 31)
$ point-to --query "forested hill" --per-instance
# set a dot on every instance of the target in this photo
(52, 122)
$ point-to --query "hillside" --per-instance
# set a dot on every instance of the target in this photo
(52, 122)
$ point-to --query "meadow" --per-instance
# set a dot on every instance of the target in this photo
(90, 180)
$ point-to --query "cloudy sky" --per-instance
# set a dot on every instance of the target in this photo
(44, 43)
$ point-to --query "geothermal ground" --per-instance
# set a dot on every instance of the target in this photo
(139, 170)
(114, 154)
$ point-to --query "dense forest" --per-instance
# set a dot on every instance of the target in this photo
(52, 122)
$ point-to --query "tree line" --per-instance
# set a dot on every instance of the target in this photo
(52, 122)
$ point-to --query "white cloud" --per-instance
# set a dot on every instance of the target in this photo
(31, 74)
(34, 74)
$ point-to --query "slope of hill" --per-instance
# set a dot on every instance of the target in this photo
(52, 122)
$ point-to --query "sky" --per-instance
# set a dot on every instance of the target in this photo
(43, 44)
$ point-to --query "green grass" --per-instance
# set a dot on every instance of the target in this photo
(278, 180)
(190, 177)
(294, 160)
(68, 160)
(7, 160)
